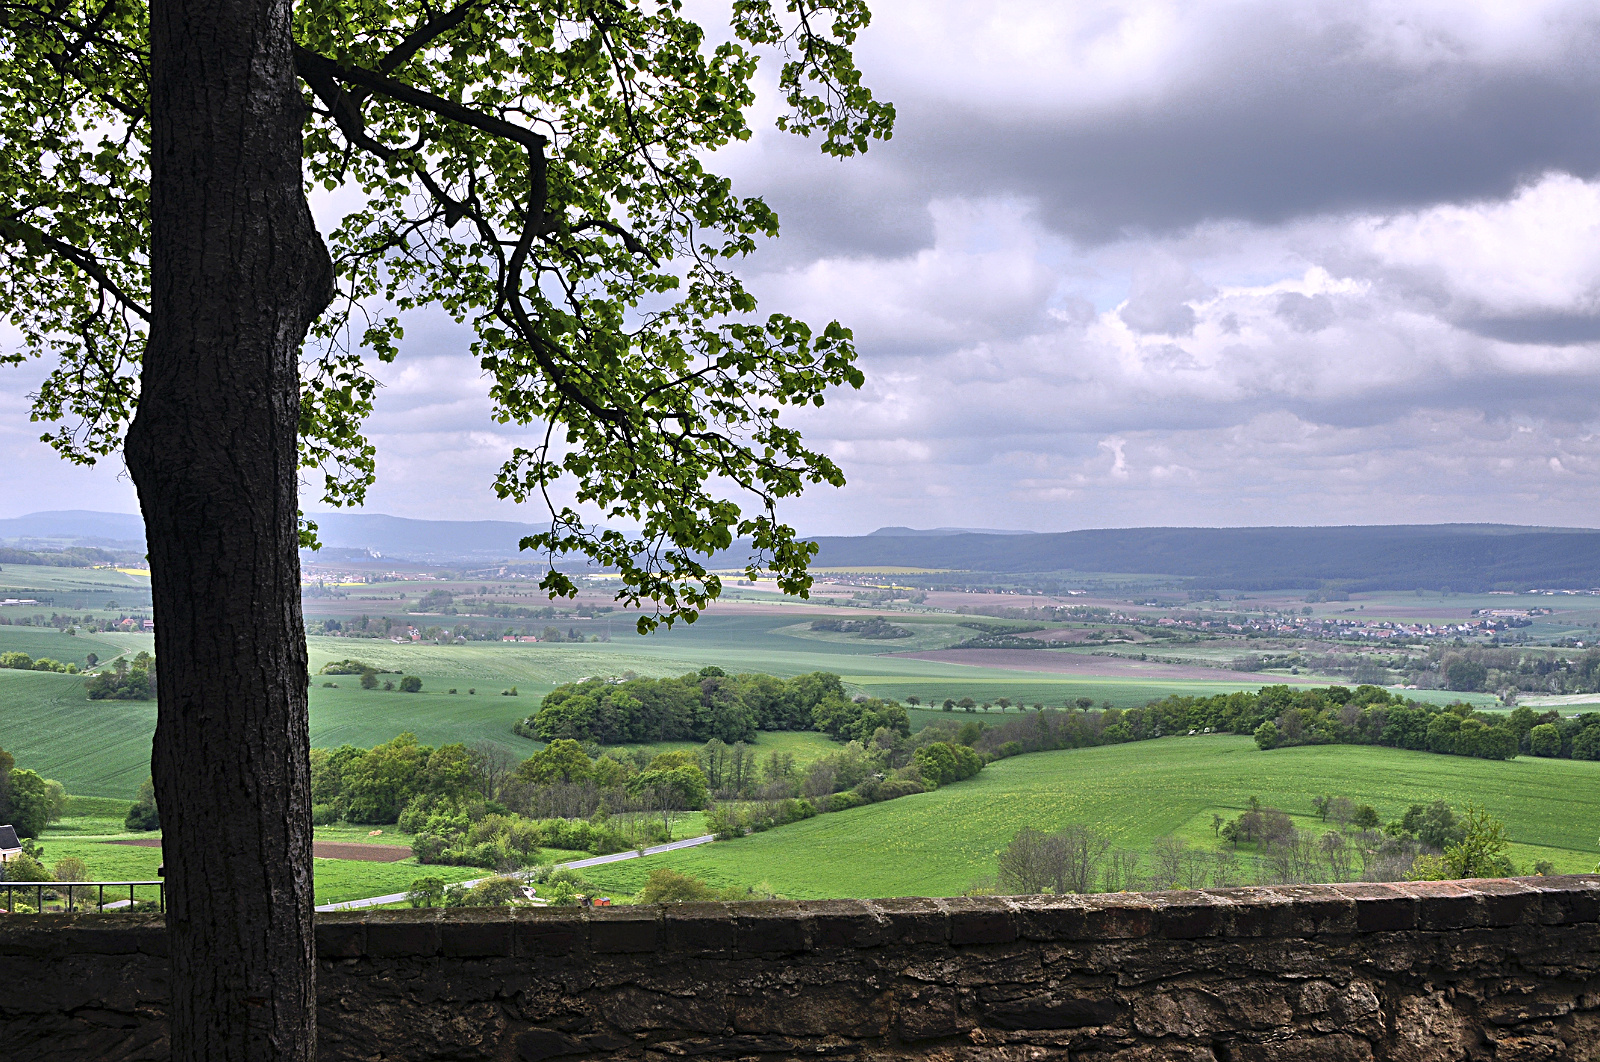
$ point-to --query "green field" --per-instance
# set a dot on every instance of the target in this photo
(102, 748)
(72, 590)
(48, 642)
(336, 880)
(940, 843)
(94, 748)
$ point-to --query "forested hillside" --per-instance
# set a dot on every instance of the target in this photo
(1459, 557)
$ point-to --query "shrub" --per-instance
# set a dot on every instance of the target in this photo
(324, 814)
(495, 892)
(941, 763)
(1266, 735)
(426, 892)
(24, 867)
(346, 667)
(32, 804)
(1545, 740)
(564, 888)
(71, 869)
(844, 801)
(669, 886)
(142, 817)
(410, 684)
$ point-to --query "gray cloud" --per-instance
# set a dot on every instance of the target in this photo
(1274, 113)
(1158, 300)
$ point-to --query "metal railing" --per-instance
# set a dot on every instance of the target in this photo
(40, 888)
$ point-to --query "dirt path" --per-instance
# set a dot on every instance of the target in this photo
(366, 853)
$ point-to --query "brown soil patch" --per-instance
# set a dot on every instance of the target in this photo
(1057, 663)
(365, 853)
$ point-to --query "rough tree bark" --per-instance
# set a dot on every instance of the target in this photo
(238, 274)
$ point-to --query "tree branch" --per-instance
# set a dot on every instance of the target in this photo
(22, 232)
(309, 65)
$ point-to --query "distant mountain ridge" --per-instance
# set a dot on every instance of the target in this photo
(1460, 557)
(940, 532)
(73, 527)
(1431, 556)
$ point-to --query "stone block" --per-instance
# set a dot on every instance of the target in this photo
(102, 936)
(910, 921)
(1315, 910)
(1381, 908)
(410, 934)
(535, 1045)
(634, 1010)
(1565, 900)
(1337, 1047)
(1186, 915)
(477, 933)
(547, 932)
(614, 930)
(1119, 916)
(770, 928)
(698, 929)
(1052, 1010)
(980, 921)
(1507, 902)
(341, 936)
(1050, 918)
(929, 1012)
(1445, 905)
(844, 924)
(842, 1008)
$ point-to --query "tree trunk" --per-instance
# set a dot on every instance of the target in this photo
(238, 274)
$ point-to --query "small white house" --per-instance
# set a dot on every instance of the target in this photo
(9, 845)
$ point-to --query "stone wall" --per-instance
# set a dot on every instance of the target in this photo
(1502, 970)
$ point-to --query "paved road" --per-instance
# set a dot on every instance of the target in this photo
(576, 864)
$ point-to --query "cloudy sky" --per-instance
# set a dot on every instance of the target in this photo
(1203, 263)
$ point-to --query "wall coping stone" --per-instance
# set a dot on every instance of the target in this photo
(757, 929)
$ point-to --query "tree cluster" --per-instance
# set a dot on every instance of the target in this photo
(479, 807)
(1371, 716)
(24, 662)
(28, 801)
(143, 816)
(125, 681)
(72, 557)
(1430, 842)
(1275, 715)
(701, 706)
(872, 627)
(1550, 735)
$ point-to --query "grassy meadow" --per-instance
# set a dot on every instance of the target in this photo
(940, 843)
(931, 844)
(336, 880)
(102, 748)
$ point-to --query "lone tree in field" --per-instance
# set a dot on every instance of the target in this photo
(535, 169)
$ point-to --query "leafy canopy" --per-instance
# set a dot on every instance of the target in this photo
(536, 169)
